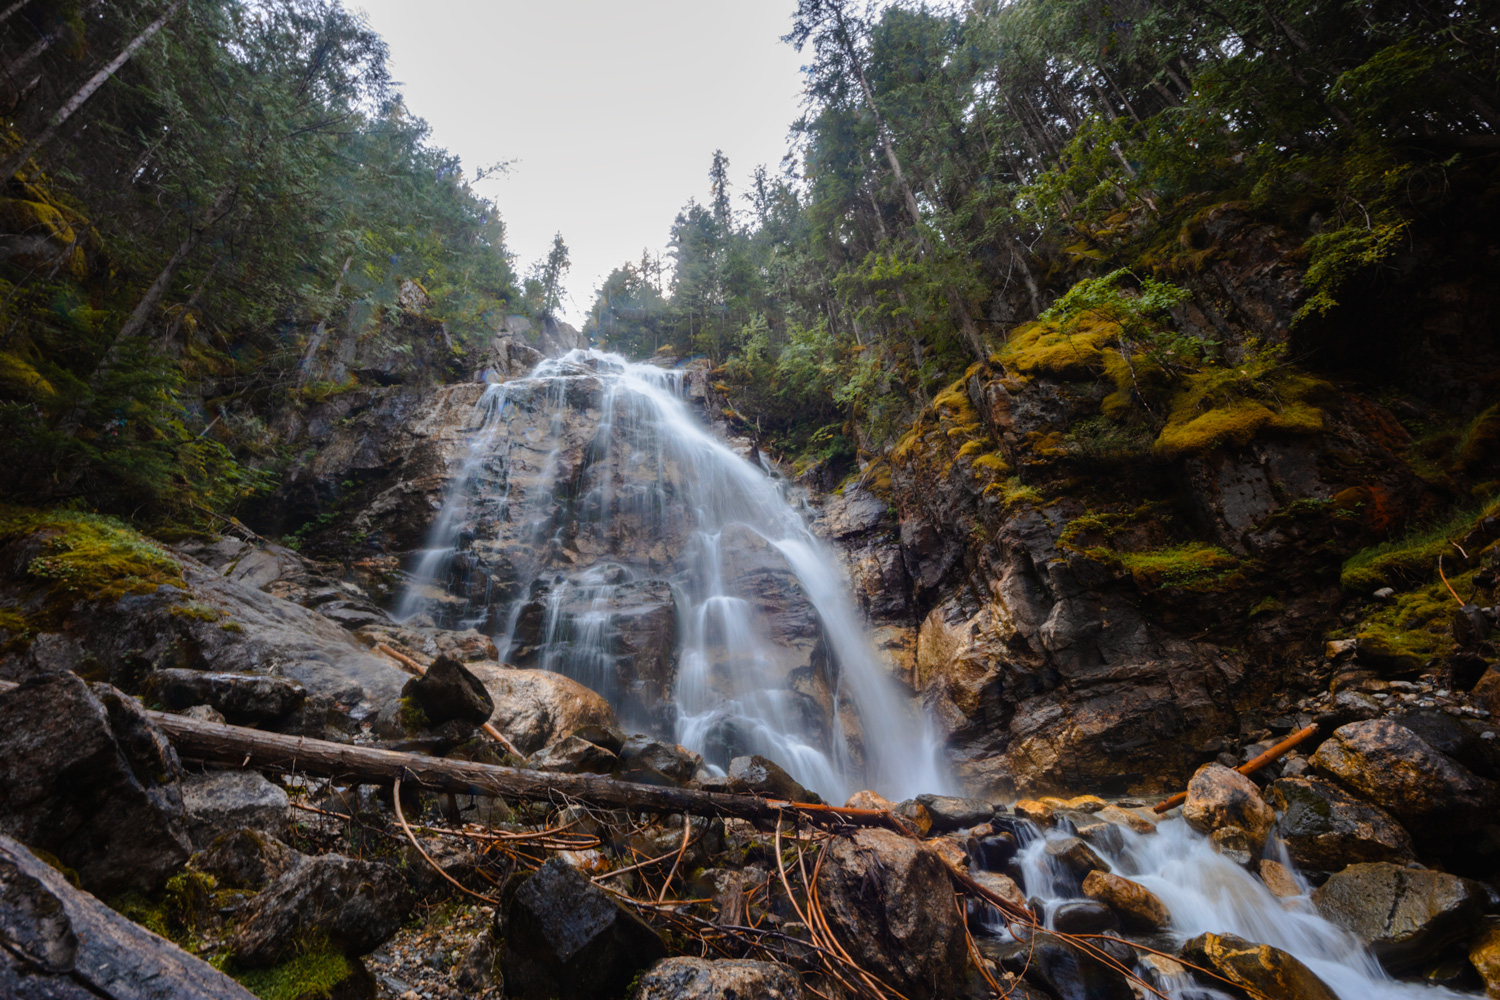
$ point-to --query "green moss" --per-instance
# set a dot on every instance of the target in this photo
(48, 858)
(1193, 566)
(18, 376)
(411, 716)
(196, 611)
(1412, 558)
(231, 626)
(88, 555)
(1219, 408)
(1416, 624)
(1012, 492)
(992, 462)
(310, 976)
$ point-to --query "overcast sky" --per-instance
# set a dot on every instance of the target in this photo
(611, 109)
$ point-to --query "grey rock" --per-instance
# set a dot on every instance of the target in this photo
(450, 692)
(245, 859)
(574, 755)
(701, 979)
(1404, 915)
(356, 905)
(1076, 856)
(1067, 972)
(651, 761)
(534, 708)
(1326, 828)
(221, 801)
(239, 698)
(951, 813)
(761, 776)
(1084, 917)
(58, 943)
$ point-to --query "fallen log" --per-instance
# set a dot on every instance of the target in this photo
(1251, 766)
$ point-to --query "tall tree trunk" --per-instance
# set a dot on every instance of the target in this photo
(19, 63)
(15, 8)
(9, 168)
(316, 341)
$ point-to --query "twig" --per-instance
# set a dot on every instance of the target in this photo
(1444, 577)
(687, 831)
(401, 818)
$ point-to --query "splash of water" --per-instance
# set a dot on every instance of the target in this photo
(652, 468)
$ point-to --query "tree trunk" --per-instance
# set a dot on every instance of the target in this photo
(13, 9)
(31, 55)
(9, 168)
(316, 341)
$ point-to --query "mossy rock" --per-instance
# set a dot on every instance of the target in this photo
(90, 556)
(1213, 411)
(1072, 353)
(323, 974)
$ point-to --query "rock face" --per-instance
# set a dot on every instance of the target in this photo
(566, 939)
(534, 708)
(1218, 797)
(1256, 970)
(877, 890)
(1326, 828)
(356, 905)
(222, 801)
(1392, 767)
(62, 944)
(1137, 907)
(701, 979)
(1404, 915)
(108, 807)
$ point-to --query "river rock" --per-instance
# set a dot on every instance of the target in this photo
(686, 978)
(1076, 856)
(59, 943)
(1484, 955)
(1218, 797)
(1326, 828)
(651, 761)
(1084, 916)
(1037, 812)
(104, 798)
(240, 698)
(221, 801)
(245, 859)
(566, 939)
(878, 890)
(1279, 879)
(1067, 972)
(1138, 908)
(1235, 844)
(356, 905)
(534, 708)
(869, 800)
(1404, 915)
(574, 755)
(1394, 768)
(951, 813)
(449, 692)
(1003, 886)
(1254, 971)
(761, 776)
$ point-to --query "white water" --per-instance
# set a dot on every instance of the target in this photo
(684, 481)
(1206, 892)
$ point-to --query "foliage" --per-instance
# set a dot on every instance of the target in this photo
(89, 555)
(1413, 557)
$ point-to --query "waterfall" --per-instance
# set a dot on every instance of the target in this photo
(592, 506)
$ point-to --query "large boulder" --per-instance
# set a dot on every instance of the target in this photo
(449, 692)
(1254, 971)
(1404, 915)
(1325, 827)
(94, 784)
(1391, 766)
(354, 905)
(221, 801)
(566, 939)
(535, 708)
(240, 698)
(650, 761)
(878, 891)
(1219, 797)
(245, 859)
(58, 943)
(701, 979)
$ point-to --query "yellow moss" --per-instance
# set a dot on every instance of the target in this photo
(1209, 413)
(1046, 348)
(1410, 558)
(992, 462)
(1481, 439)
(1194, 566)
(19, 377)
(311, 976)
(970, 448)
(196, 612)
(96, 557)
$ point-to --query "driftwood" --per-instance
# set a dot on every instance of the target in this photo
(1251, 766)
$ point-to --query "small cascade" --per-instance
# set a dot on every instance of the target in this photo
(598, 529)
(1206, 892)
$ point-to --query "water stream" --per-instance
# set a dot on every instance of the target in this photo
(589, 491)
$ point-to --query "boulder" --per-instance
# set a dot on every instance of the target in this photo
(1326, 828)
(764, 777)
(1484, 955)
(355, 905)
(1036, 812)
(951, 813)
(1003, 886)
(566, 939)
(1394, 768)
(878, 890)
(97, 788)
(1218, 797)
(650, 761)
(240, 698)
(245, 859)
(221, 801)
(1076, 856)
(1404, 915)
(59, 943)
(1254, 971)
(869, 800)
(1084, 916)
(534, 708)
(1067, 972)
(701, 979)
(574, 755)
(1235, 844)
(1138, 908)
(449, 692)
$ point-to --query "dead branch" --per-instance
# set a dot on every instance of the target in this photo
(1250, 767)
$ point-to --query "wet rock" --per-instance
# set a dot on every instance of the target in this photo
(761, 776)
(221, 801)
(566, 939)
(245, 859)
(915, 815)
(476, 970)
(877, 890)
(1389, 765)
(535, 707)
(1235, 844)
(702, 979)
(1279, 879)
(58, 942)
(1132, 819)
(1084, 916)
(993, 850)
(1326, 828)
(1003, 886)
(650, 761)
(1076, 856)
(1484, 955)
(1138, 908)
(103, 798)
(449, 692)
(1454, 738)
(356, 905)
(1254, 971)
(1219, 797)
(1404, 915)
(1098, 833)
(610, 738)
(1037, 812)
(240, 698)
(574, 755)
(869, 800)
(1068, 972)
(950, 813)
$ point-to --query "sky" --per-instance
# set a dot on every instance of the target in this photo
(611, 110)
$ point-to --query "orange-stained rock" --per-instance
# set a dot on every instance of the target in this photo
(1038, 812)
(1219, 797)
(1137, 907)
(869, 800)
(1255, 971)
(1279, 879)
(1485, 956)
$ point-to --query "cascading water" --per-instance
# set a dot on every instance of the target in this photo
(1207, 892)
(592, 506)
